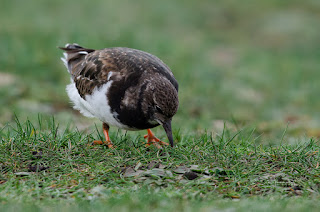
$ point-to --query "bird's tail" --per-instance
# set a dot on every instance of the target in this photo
(73, 54)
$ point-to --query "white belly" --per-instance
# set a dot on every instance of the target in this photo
(95, 105)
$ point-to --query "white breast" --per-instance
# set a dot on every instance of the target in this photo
(95, 105)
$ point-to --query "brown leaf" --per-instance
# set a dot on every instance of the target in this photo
(156, 172)
(37, 168)
(235, 197)
(153, 164)
(130, 172)
(190, 175)
(161, 166)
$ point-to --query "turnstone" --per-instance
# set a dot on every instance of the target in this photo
(123, 87)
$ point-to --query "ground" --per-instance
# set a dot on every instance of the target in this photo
(246, 131)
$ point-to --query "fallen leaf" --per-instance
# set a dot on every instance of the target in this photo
(181, 170)
(153, 164)
(138, 166)
(196, 168)
(161, 166)
(235, 197)
(37, 168)
(155, 172)
(190, 175)
(23, 174)
(130, 172)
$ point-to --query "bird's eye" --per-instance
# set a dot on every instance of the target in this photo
(159, 109)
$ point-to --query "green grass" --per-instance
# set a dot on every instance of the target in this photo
(251, 66)
(43, 165)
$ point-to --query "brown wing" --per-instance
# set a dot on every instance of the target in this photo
(88, 68)
(92, 72)
(91, 68)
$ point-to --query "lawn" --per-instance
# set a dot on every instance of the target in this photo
(246, 131)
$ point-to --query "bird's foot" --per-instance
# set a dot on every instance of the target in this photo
(152, 139)
(108, 143)
(105, 128)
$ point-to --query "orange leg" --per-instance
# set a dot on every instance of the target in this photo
(152, 139)
(108, 142)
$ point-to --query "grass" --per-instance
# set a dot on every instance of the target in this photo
(44, 166)
(248, 122)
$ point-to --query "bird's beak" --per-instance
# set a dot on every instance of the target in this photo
(167, 127)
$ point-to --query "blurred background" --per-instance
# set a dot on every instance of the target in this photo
(244, 64)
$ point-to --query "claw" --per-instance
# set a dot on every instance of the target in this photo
(108, 143)
(152, 139)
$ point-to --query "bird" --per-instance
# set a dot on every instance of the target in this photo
(123, 87)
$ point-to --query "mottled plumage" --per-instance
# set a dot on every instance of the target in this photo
(123, 87)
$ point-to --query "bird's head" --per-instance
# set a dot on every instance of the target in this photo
(165, 105)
